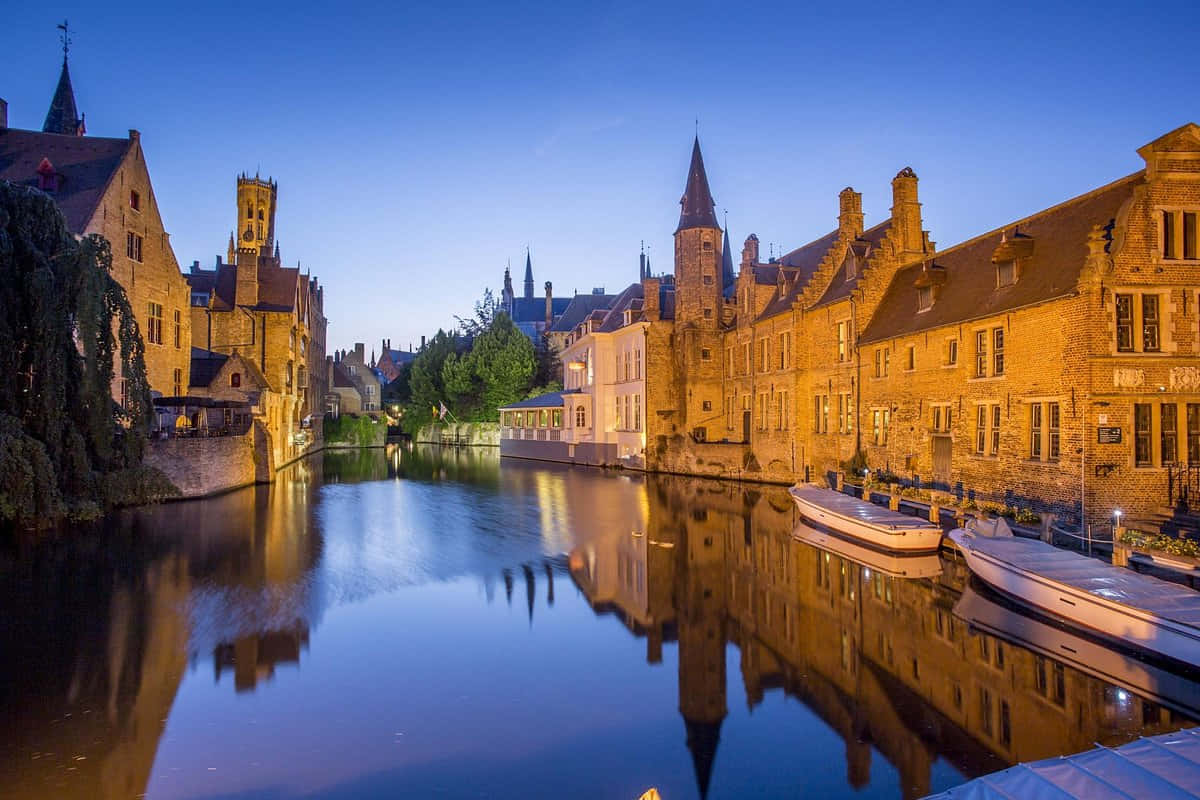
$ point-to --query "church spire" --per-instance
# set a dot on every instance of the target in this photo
(528, 276)
(726, 261)
(697, 204)
(63, 116)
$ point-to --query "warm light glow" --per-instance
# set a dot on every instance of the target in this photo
(576, 366)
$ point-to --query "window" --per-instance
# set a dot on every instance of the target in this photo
(1169, 249)
(708, 280)
(124, 393)
(1124, 303)
(708, 246)
(924, 298)
(1142, 449)
(637, 364)
(1193, 433)
(746, 357)
(912, 358)
(821, 414)
(995, 430)
(941, 417)
(1189, 235)
(985, 710)
(762, 411)
(880, 420)
(628, 413)
(199, 298)
(952, 352)
(843, 341)
(1150, 342)
(177, 382)
(235, 380)
(845, 413)
(1035, 431)
(998, 351)
(987, 429)
(706, 405)
(637, 411)
(1005, 724)
(580, 417)
(785, 350)
(1006, 273)
(154, 332)
(705, 354)
(1053, 438)
(1169, 433)
(135, 200)
(133, 246)
(178, 320)
(981, 338)
(249, 212)
(785, 411)
(708, 313)
(556, 417)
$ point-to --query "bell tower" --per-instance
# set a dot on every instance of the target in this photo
(255, 227)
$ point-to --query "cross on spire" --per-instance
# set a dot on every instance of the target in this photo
(65, 38)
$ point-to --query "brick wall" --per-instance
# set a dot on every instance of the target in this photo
(200, 467)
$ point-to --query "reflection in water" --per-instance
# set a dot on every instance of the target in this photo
(360, 587)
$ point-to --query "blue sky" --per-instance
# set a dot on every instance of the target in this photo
(419, 147)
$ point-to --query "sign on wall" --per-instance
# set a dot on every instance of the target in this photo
(1108, 435)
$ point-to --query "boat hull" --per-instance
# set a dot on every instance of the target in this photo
(1108, 619)
(926, 539)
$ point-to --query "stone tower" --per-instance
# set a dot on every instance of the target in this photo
(256, 213)
(698, 303)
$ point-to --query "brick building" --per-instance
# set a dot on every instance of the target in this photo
(269, 313)
(102, 186)
(1046, 362)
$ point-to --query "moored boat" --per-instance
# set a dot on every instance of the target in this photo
(1115, 603)
(866, 522)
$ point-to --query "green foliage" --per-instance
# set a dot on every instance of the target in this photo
(495, 372)
(425, 381)
(483, 316)
(358, 431)
(66, 325)
(1161, 543)
(552, 386)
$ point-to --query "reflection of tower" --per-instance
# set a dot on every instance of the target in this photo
(530, 589)
(702, 642)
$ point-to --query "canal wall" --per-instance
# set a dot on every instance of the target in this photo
(205, 466)
(349, 431)
(470, 434)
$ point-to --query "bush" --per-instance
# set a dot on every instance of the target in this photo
(1162, 543)
(352, 430)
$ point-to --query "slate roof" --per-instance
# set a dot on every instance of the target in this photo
(1059, 248)
(580, 307)
(341, 378)
(205, 366)
(628, 300)
(63, 116)
(85, 166)
(696, 205)
(398, 357)
(277, 286)
(548, 400)
(533, 309)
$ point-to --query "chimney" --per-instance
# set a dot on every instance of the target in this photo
(549, 304)
(650, 307)
(906, 212)
(247, 278)
(3, 114)
(422, 342)
(195, 267)
(850, 213)
(750, 252)
(360, 351)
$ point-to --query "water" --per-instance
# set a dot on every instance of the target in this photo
(436, 624)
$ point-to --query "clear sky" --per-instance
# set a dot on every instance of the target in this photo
(418, 148)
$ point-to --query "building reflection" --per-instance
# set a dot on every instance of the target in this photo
(882, 659)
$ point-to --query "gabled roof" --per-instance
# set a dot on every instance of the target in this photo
(548, 400)
(63, 117)
(85, 166)
(628, 300)
(341, 378)
(578, 309)
(205, 366)
(696, 205)
(840, 288)
(1059, 248)
(277, 286)
(527, 309)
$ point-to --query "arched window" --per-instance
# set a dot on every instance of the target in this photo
(235, 380)
(249, 212)
(260, 214)
(580, 417)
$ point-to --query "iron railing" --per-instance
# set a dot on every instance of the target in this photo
(1183, 486)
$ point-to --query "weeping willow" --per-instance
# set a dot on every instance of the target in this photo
(67, 449)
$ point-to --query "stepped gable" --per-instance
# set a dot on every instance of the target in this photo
(1056, 247)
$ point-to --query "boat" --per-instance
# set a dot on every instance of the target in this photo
(866, 522)
(1115, 603)
(895, 565)
(988, 612)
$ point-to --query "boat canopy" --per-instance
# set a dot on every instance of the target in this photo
(1167, 600)
(1164, 767)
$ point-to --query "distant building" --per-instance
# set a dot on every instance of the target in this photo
(103, 186)
(390, 361)
(534, 316)
(355, 386)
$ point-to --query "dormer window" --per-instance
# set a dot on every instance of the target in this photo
(924, 298)
(1006, 273)
(47, 177)
(628, 317)
(851, 264)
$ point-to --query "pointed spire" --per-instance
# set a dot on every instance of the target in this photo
(528, 276)
(63, 117)
(697, 203)
(232, 256)
(277, 251)
(726, 260)
(702, 739)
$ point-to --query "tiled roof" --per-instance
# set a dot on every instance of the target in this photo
(341, 378)
(205, 366)
(276, 285)
(85, 166)
(696, 205)
(626, 301)
(63, 116)
(578, 309)
(548, 400)
(1059, 248)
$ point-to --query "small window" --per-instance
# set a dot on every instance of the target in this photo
(912, 358)
(851, 266)
(981, 359)
(178, 315)
(154, 326)
(998, 351)
(580, 417)
(952, 352)
(706, 405)
(924, 298)
(133, 246)
(705, 354)
(707, 246)
(135, 200)
(249, 212)
(1150, 341)
(1168, 228)
(1143, 455)
(177, 382)
(235, 380)
(708, 313)
(1169, 433)
(1189, 235)
(708, 280)
(1124, 310)
(1006, 273)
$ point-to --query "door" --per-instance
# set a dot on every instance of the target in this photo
(942, 450)
(746, 426)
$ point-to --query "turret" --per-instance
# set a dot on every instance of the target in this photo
(256, 199)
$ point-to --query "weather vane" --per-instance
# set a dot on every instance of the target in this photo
(65, 37)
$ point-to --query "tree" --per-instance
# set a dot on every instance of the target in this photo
(66, 448)
(425, 381)
(481, 320)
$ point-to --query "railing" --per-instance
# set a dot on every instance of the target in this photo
(1183, 486)
(235, 429)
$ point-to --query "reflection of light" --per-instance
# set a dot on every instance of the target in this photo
(867, 574)
(1122, 696)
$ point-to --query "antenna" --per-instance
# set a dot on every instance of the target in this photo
(65, 38)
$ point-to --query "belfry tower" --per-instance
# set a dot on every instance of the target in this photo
(256, 214)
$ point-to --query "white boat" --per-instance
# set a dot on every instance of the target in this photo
(866, 522)
(1114, 602)
(895, 565)
(985, 611)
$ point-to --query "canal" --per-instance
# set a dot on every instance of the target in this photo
(437, 624)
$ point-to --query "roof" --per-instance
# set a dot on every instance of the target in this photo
(547, 400)
(276, 285)
(1163, 766)
(628, 300)
(578, 309)
(840, 288)
(85, 165)
(397, 357)
(666, 302)
(1059, 249)
(341, 378)
(205, 366)
(63, 117)
(526, 309)
(696, 205)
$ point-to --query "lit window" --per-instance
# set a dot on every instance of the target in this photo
(154, 332)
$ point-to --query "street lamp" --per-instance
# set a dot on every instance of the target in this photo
(1116, 519)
